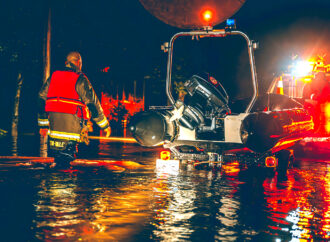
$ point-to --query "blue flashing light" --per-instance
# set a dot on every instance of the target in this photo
(231, 23)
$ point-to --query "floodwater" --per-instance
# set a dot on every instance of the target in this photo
(150, 204)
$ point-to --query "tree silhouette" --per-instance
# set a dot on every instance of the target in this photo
(119, 114)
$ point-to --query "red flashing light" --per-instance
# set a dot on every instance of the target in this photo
(207, 15)
(106, 69)
(271, 161)
(165, 155)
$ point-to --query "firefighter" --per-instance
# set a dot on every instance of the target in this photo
(67, 101)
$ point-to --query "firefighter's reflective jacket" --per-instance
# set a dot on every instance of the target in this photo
(65, 102)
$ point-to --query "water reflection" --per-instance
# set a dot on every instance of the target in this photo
(93, 205)
(119, 214)
(14, 148)
(58, 209)
(300, 205)
(174, 207)
(198, 204)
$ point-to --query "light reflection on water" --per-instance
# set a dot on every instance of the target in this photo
(300, 204)
(94, 204)
(76, 208)
(57, 209)
(175, 207)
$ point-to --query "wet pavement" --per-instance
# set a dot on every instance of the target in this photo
(148, 204)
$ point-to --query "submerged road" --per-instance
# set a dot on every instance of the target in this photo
(148, 204)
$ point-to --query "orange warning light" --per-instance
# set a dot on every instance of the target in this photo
(207, 15)
(165, 155)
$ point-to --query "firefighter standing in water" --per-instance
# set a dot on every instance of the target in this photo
(66, 100)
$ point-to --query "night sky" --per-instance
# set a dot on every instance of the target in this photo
(121, 34)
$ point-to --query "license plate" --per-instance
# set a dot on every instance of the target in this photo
(168, 166)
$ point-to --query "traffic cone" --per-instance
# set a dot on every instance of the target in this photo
(279, 89)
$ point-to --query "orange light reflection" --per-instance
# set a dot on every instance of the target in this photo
(292, 203)
(128, 140)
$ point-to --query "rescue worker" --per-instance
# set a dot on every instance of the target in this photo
(66, 101)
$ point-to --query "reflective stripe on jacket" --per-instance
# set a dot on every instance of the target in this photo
(64, 135)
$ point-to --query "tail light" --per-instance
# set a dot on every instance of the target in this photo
(271, 161)
(165, 155)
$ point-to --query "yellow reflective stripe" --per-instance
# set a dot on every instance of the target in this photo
(88, 116)
(64, 135)
(102, 123)
(65, 101)
(43, 122)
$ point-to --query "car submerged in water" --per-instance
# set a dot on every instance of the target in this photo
(217, 111)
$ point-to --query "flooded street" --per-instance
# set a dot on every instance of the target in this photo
(144, 203)
(165, 120)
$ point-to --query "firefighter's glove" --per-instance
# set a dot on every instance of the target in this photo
(107, 131)
(84, 135)
(43, 132)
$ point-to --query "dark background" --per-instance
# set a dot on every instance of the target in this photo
(122, 35)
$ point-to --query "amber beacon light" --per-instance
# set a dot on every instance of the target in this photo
(165, 155)
(207, 15)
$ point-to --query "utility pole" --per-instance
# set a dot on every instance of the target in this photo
(46, 50)
(14, 124)
(46, 74)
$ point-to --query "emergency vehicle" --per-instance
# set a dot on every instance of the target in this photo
(296, 83)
